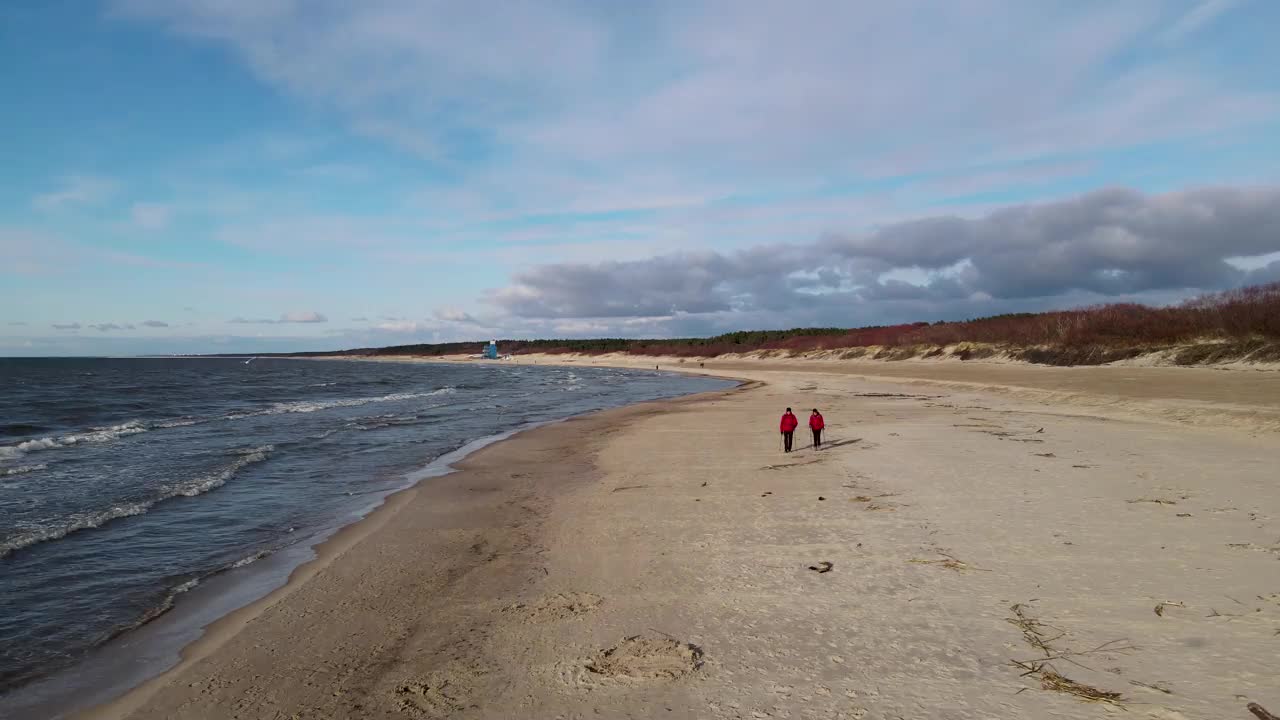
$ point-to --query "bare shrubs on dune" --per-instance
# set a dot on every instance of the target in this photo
(1236, 325)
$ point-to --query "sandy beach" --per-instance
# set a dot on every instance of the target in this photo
(1002, 542)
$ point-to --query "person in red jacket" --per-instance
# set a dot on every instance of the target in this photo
(816, 423)
(789, 425)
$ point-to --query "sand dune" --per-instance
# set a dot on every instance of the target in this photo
(996, 550)
(1240, 399)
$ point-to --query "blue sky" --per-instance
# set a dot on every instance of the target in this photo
(204, 175)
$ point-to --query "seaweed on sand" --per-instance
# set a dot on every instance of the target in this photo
(1042, 636)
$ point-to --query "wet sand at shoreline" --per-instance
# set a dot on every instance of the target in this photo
(992, 552)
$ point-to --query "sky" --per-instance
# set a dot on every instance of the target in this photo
(190, 176)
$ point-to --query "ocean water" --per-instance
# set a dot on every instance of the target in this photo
(125, 483)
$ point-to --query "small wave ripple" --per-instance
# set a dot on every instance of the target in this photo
(85, 520)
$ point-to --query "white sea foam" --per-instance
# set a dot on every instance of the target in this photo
(95, 518)
(21, 469)
(93, 435)
(249, 560)
(167, 604)
(201, 485)
(186, 586)
(310, 406)
(69, 524)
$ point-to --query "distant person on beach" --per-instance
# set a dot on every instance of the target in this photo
(816, 423)
(789, 425)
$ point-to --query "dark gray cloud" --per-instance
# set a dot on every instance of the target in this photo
(110, 327)
(154, 324)
(67, 326)
(1109, 244)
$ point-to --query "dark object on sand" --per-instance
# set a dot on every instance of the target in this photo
(825, 567)
(704, 483)
(821, 498)
(1260, 712)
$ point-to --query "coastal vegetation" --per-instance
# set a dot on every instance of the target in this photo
(1241, 324)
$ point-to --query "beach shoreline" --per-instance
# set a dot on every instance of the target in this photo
(663, 555)
(458, 463)
(260, 586)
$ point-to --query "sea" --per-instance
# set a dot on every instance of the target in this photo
(133, 488)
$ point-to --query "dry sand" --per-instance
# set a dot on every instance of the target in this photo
(996, 544)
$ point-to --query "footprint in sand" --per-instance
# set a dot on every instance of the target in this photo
(647, 657)
(639, 659)
(560, 606)
(443, 693)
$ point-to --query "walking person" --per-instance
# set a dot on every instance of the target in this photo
(816, 424)
(788, 426)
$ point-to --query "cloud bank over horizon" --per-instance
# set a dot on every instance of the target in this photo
(1106, 244)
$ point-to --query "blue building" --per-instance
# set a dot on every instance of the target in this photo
(491, 350)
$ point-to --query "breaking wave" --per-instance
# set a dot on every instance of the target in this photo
(88, 519)
(133, 427)
(7, 472)
(93, 435)
(249, 559)
(164, 606)
(310, 406)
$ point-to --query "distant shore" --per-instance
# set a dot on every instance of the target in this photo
(1238, 397)
(1115, 534)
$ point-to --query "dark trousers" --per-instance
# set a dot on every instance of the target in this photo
(817, 438)
(786, 441)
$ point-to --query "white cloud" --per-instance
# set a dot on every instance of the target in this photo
(292, 317)
(154, 324)
(303, 317)
(309, 233)
(453, 314)
(1200, 15)
(665, 105)
(28, 251)
(404, 326)
(150, 216)
(74, 190)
